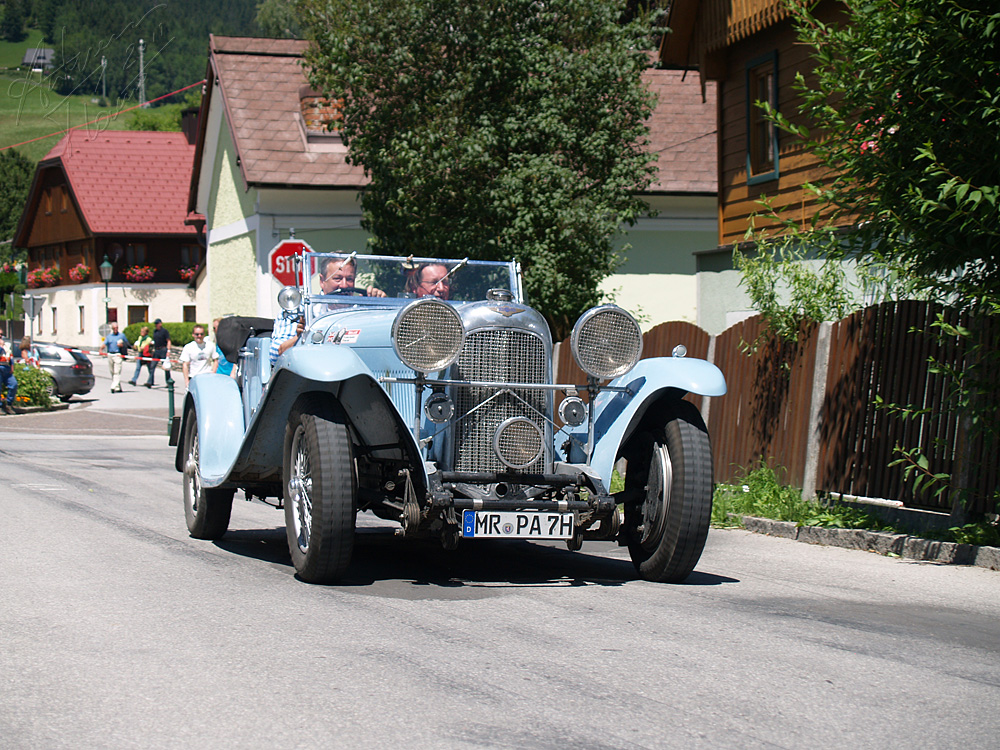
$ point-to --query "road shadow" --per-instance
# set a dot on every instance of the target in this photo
(380, 556)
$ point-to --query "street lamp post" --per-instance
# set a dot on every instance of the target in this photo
(106, 269)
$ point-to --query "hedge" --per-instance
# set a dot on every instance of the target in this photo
(180, 333)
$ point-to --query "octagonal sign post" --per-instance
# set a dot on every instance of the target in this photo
(280, 260)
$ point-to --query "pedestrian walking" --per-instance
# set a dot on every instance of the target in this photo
(8, 383)
(116, 346)
(198, 356)
(161, 351)
(144, 354)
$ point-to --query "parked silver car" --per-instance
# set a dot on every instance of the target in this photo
(72, 371)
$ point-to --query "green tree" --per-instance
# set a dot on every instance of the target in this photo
(904, 110)
(276, 18)
(16, 173)
(12, 24)
(506, 128)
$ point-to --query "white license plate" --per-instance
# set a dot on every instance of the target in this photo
(506, 524)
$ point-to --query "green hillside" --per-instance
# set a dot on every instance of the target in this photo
(11, 53)
(29, 109)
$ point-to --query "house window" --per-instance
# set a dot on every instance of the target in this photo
(190, 255)
(112, 314)
(53, 321)
(190, 314)
(762, 136)
(83, 318)
(135, 255)
(138, 314)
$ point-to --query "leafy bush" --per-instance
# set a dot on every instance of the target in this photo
(32, 386)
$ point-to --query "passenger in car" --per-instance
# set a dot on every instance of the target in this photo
(430, 280)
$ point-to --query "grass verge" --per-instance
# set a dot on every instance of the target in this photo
(761, 494)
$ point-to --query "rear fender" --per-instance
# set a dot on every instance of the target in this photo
(652, 384)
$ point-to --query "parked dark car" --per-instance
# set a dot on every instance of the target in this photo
(72, 371)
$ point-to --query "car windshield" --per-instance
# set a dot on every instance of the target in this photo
(329, 277)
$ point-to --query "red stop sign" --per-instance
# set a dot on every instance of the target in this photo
(280, 260)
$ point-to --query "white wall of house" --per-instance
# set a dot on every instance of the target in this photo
(658, 280)
(72, 314)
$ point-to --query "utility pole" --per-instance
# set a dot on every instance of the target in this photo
(142, 77)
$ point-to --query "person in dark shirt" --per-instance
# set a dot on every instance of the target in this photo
(8, 383)
(161, 350)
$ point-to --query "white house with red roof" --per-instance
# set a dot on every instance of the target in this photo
(265, 166)
(119, 195)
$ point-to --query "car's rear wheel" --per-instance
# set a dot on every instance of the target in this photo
(320, 495)
(670, 475)
(206, 509)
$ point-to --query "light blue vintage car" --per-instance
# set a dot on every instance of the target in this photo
(439, 413)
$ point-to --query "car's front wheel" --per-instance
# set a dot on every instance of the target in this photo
(320, 504)
(206, 509)
(670, 475)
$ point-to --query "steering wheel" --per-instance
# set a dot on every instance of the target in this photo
(346, 290)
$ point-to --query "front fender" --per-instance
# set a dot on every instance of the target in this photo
(324, 369)
(650, 382)
(215, 399)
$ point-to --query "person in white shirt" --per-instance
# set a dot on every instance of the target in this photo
(198, 356)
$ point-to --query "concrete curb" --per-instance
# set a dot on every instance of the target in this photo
(36, 409)
(903, 545)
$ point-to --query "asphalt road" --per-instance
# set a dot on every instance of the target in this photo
(119, 630)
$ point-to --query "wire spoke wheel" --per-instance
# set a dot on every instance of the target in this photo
(300, 490)
(320, 494)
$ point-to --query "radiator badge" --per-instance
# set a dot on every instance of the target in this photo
(506, 309)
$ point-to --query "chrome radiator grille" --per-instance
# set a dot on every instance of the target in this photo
(501, 356)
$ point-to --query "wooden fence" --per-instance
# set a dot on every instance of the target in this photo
(810, 407)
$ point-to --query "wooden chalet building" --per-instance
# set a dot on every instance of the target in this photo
(749, 50)
(120, 195)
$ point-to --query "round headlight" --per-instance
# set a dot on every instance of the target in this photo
(289, 298)
(428, 335)
(606, 342)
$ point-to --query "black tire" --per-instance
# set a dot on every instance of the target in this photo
(320, 493)
(670, 469)
(206, 510)
(50, 387)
